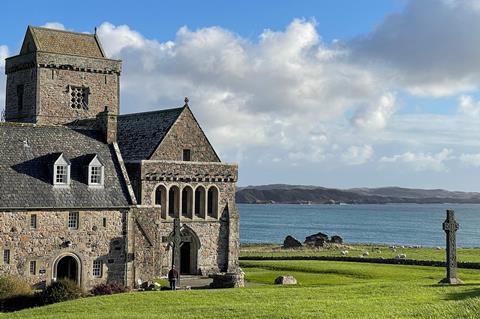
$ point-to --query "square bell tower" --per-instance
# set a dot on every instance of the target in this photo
(60, 77)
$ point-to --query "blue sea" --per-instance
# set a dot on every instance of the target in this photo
(402, 224)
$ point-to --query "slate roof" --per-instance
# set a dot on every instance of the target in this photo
(27, 153)
(139, 134)
(66, 42)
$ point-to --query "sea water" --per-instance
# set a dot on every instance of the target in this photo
(401, 224)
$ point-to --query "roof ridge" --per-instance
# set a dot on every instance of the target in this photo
(64, 31)
(151, 112)
(56, 126)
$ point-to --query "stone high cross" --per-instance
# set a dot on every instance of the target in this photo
(176, 240)
(450, 226)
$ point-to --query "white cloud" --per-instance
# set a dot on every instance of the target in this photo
(4, 53)
(282, 92)
(356, 155)
(376, 115)
(430, 48)
(54, 25)
(470, 159)
(468, 107)
(422, 161)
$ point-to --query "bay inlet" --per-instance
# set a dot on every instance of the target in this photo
(401, 224)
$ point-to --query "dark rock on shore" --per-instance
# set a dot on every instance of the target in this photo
(335, 239)
(316, 240)
(291, 242)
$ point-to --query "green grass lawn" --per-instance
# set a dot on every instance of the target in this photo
(463, 254)
(325, 290)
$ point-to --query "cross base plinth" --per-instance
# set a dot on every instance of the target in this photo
(451, 281)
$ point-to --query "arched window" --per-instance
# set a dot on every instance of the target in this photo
(200, 201)
(173, 201)
(187, 201)
(160, 199)
(212, 202)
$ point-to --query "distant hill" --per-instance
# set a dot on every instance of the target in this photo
(300, 194)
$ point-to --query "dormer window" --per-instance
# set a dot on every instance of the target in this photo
(61, 171)
(95, 172)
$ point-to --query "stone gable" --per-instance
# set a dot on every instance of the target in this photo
(185, 133)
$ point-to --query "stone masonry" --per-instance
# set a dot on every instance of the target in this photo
(62, 106)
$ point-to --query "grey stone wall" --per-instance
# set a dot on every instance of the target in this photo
(47, 78)
(27, 78)
(91, 241)
(185, 134)
(153, 257)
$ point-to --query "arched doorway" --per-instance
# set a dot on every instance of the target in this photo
(189, 252)
(67, 267)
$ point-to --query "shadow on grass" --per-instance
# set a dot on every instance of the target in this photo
(16, 303)
(340, 272)
(462, 295)
(454, 294)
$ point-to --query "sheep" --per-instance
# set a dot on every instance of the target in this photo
(401, 256)
(344, 252)
(365, 254)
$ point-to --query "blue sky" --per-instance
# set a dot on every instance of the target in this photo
(162, 19)
(331, 93)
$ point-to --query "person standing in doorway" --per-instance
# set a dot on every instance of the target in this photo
(173, 277)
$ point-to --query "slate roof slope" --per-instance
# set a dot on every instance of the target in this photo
(139, 134)
(27, 153)
(66, 42)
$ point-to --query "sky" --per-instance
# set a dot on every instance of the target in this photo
(332, 93)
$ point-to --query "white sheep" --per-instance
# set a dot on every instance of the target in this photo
(365, 254)
(344, 252)
(401, 256)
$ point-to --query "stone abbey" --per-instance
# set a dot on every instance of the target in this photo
(92, 195)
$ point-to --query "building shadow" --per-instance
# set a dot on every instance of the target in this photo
(223, 241)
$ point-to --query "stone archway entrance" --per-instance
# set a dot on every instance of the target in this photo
(67, 267)
(185, 259)
(189, 252)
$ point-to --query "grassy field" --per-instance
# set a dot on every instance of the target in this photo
(325, 290)
(374, 251)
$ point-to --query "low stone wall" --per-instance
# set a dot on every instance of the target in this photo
(391, 261)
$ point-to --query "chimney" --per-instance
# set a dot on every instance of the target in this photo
(108, 124)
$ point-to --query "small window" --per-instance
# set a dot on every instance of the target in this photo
(20, 97)
(97, 269)
(33, 267)
(61, 176)
(6, 256)
(187, 155)
(61, 171)
(79, 97)
(33, 221)
(95, 175)
(73, 220)
(95, 172)
(104, 222)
